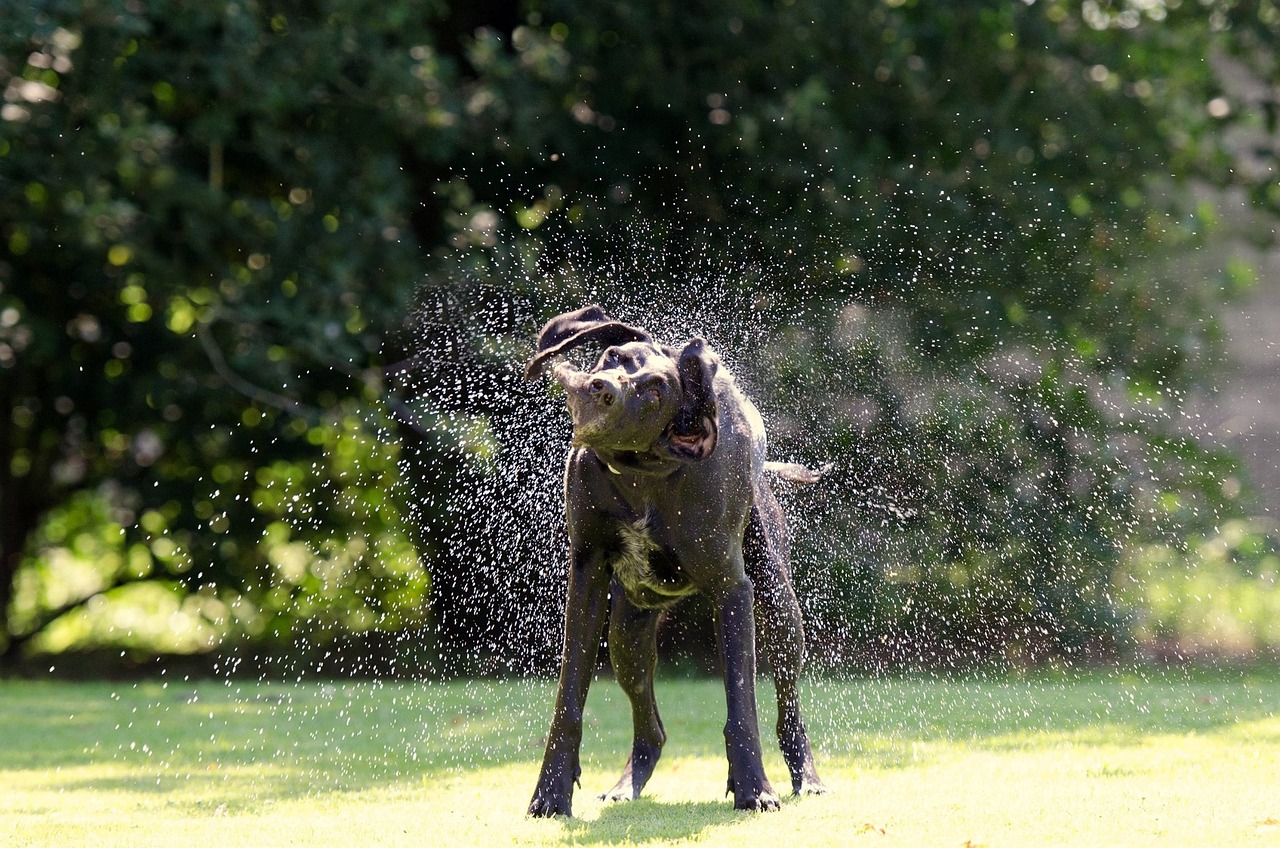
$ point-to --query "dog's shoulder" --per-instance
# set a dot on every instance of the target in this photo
(733, 402)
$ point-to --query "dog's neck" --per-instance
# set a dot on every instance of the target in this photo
(647, 463)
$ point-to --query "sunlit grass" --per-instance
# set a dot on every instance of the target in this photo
(1105, 760)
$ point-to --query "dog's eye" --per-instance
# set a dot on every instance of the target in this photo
(650, 391)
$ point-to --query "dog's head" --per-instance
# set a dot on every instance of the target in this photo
(640, 395)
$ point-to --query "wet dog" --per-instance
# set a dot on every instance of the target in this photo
(666, 494)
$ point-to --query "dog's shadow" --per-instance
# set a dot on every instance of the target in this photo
(645, 820)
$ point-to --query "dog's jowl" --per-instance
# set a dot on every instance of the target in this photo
(666, 494)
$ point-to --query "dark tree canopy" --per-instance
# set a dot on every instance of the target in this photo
(962, 223)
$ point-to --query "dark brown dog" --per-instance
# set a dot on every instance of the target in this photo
(666, 496)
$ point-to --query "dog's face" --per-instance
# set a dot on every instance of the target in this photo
(626, 401)
(640, 395)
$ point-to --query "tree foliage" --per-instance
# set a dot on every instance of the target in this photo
(207, 228)
(215, 216)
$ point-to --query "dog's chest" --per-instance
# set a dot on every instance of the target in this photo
(649, 576)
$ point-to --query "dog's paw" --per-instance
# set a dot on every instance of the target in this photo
(553, 794)
(810, 786)
(759, 798)
(615, 794)
(544, 807)
(549, 800)
(758, 802)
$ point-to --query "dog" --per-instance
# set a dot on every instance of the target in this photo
(666, 495)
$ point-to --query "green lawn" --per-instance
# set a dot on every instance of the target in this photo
(1104, 760)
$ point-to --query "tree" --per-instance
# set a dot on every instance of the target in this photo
(954, 220)
(207, 229)
(215, 218)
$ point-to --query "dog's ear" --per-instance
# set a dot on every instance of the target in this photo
(692, 434)
(571, 329)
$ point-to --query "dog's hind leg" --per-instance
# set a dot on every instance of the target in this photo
(633, 650)
(768, 564)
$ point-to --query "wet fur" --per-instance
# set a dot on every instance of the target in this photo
(632, 568)
(667, 495)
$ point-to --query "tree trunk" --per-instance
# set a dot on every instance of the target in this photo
(15, 527)
(20, 515)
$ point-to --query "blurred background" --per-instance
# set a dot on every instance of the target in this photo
(269, 273)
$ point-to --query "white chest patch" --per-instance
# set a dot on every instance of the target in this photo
(632, 567)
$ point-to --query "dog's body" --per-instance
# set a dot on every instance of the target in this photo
(666, 495)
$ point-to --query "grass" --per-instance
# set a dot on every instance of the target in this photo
(1102, 760)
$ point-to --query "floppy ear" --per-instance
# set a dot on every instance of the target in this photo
(693, 432)
(571, 329)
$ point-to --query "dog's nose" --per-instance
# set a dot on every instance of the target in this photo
(602, 393)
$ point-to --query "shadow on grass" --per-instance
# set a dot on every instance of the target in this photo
(645, 820)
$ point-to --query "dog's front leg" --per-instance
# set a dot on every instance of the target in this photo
(584, 620)
(735, 634)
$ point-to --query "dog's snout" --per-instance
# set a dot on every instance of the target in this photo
(602, 392)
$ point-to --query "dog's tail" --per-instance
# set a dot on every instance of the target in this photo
(796, 473)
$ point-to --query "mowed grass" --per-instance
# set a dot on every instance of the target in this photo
(1105, 760)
